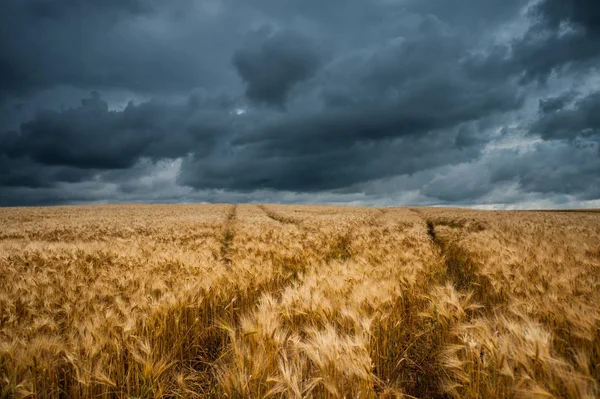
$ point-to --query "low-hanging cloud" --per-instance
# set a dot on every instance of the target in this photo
(272, 63)
(376, 101)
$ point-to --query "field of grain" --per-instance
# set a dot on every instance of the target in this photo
(252, 301)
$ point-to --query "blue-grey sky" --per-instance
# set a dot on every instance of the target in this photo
(490, 103)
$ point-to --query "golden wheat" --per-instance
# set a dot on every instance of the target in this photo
(266, 301)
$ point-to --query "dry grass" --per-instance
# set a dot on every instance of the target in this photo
(298, 301)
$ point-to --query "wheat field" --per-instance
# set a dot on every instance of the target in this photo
(273, 301)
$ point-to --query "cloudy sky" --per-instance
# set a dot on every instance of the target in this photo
(487, 103)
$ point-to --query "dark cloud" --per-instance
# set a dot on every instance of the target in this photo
(551, 169)
(429, 101)
(464, 183)
(402, 104)
(321, 169)
(565, 35)
(552, 104)
(23, 172)
(563, 38)
(582, 13)
(61, 146)
(544, 170)
(580, 119)
(146, 46)
(272, 63)
(478, 15)
(58, 9)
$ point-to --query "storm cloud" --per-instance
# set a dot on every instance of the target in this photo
(563, 117)
(378, 102)
(564, 37)
(271, 64)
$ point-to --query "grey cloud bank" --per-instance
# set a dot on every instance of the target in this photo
(381, 102)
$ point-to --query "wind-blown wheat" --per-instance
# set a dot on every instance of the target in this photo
(298, 301)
